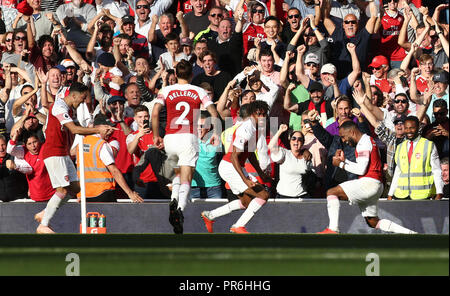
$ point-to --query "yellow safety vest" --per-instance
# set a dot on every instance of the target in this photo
(98, 179)
(416, 178)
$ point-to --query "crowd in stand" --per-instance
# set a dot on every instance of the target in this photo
(381, 64)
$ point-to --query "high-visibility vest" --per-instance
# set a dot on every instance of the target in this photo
(98, 179)
(416, 178)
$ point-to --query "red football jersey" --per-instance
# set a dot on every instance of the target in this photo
(56, 135)
(249, 33)
(183, 103)
(367, 145)
(390, 29)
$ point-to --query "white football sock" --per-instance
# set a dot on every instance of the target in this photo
(226, 209)
(175, 188)
(252, 208)
(389, 226)
(52, 206)
(183, 195)
(333, 206)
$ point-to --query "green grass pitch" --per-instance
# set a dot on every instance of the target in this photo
(224, 254)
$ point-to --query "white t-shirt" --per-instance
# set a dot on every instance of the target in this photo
(291, 171)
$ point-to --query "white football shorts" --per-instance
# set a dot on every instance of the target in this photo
(61, 171)
(185, 146)
(364, 192)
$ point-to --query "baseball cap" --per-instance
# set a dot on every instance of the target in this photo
(315, 86)
(101, 119)
(127, 19)
(67, 63)
(328, 68)
(61, 68)
(312, 58)
(186, 41)
(399, 118)
(379, 61)
(114, 99)
(106, 59)
(441, 77)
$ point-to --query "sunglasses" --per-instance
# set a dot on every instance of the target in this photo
(350, 22)
(293, 138)
(293, 16)
(311, 64)
(142, 6)
(310, 35)
(216, 14)
(8, 40)
(20, 38)
(395, 1)
(401, 101)
(258, 11)
(377, 68)
(442, 113)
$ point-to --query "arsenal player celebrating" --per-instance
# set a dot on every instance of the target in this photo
(55, 151)
(182, 101)
(364, 191)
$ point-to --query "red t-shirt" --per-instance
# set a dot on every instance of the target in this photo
(144, 142)
(124, 160)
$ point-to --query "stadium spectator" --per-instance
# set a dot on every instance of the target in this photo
(215, 16)
(40, 187)
(349, 33)
(228, 47)
(218, 79)
(438, 130)
(206, 181)
(75, 17)
(139, 42)
(137, 143)
(13, 184)
(197, 20)
(166, 23)
(294, 163)
(417, 173)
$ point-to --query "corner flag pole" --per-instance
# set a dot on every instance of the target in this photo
(81, 113)
(82, 186)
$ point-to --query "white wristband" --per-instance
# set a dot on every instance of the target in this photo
(341, 164)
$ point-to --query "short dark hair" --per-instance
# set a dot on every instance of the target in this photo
(349, 125)
(183, 69)
(440, 104)
(272, 18)
(206, 53)
(244, 111)
(265, 52)
(78, 87)
(258, 105)
(413, 119)
(140, 108)
(171, 36)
